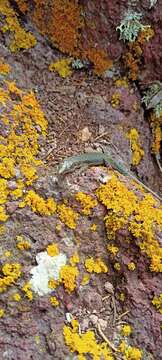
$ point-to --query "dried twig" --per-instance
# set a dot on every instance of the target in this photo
(123, 314)
(106, 339)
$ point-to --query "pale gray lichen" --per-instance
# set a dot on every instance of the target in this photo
(152, 99)
(152, 3)
(148, 95)
(130, 26)
(78, 64)
(158, 109)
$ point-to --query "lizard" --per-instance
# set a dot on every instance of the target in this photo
(96, 159)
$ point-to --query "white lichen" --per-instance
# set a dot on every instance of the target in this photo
(48, 268)
(130, 26)
(152, 3)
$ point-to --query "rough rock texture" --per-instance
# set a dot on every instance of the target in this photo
(34, 329)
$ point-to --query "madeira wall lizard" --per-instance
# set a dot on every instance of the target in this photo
(97, 158)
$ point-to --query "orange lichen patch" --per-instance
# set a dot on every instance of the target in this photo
(62, 23)
(21, 39)
(11, 272)
(99, 59)
(68, 275)
(115, 99)
(23, 5)
(96, 266)
(62, 67)
(4, 68)
(54, 302)
(52, 249)
(156, 125)
(137, 151)
(38, 204)
(27, 290)
(140, 217)
(85, 344)
(157, 302)
(67, 216)
(87, 202)
(132, 58)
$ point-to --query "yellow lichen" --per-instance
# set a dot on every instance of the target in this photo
(27, 290)
(85, 279)
(117, 266)
(2, 312)
(11, 272)
(68, 275)
(122, 297)
(96, 266)
(140, 216)
(157, 302)
(23, 245)
(67, 216)
(16, 297)
(137, 151)
(54, 302)
(123, 82)
(93, 227)
(52, 250)
(38, 204)
(62, 67)
(52, 283)
(130, 353)
(85, 344)
(115, 99)
(112, 249)
(87, 202)
(4, 68)
(126, 330)
(19, 150)
(7, 253)
(131, 266)
(74, 259)
(21, 39)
